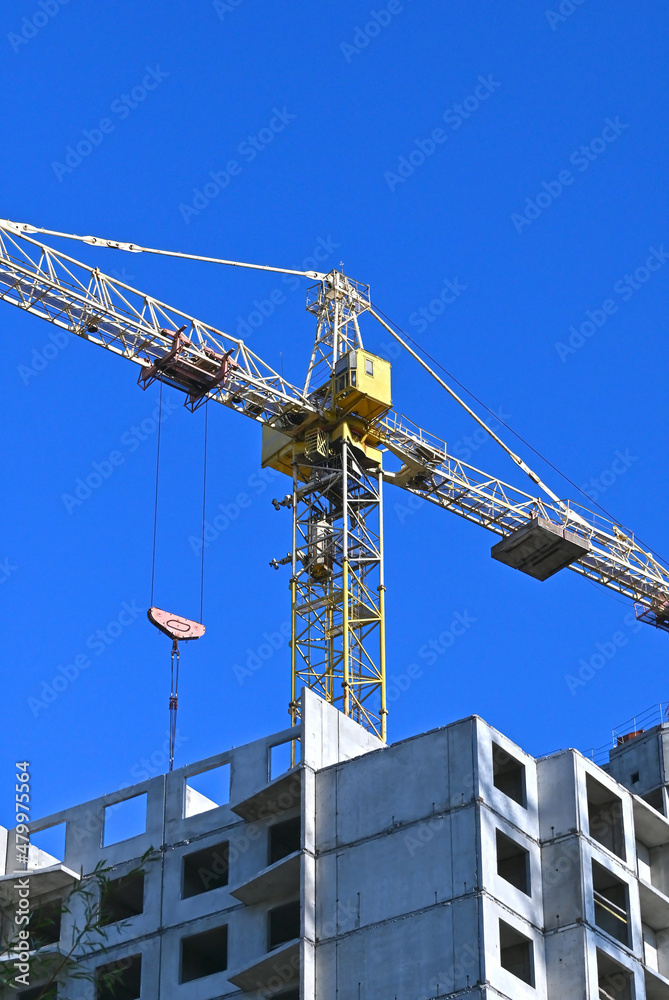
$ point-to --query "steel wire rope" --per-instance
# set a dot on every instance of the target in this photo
(464, 388)
(204, 505)
(155, 503)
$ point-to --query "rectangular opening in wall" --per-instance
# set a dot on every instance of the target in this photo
(124, 820)
(508, 775)
(282, 757)
(605, 817)
(655, 799)
(206, 869)
(283, 924)
(513, 863)
(643, 862)
(119, 980)
(611, 903)
(650, 955)
(204, 954)
(207, 790)
(516, 953)
(123, 898)
(656, 988)
(615, 982)
(284, 839)
(47, 847)
(44, 926)
(37, 993)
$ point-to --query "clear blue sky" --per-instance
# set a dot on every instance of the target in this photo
(516, 154)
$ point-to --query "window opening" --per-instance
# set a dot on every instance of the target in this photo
(207, 790)
(516, 953)
(508, 775)
(611, 903)
(605, 817)
(206, 869)
(124, 899)
(119, 980)
(204, 954)
(284, 924)
(125, 819)
(513, 863)
(284, 839)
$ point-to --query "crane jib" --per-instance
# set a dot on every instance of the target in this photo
(330, 437)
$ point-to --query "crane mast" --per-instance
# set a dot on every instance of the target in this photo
(337, 590)
(329, 438)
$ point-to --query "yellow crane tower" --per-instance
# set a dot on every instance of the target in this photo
(329, 438)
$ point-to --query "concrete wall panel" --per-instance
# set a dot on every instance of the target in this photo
(556, 779)
(399, 959)
(567, 966)
(368, 798)
(530, 906)
(500, 978)
(525, 817)
(562, 882)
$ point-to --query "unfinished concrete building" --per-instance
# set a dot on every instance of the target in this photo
(451, 864)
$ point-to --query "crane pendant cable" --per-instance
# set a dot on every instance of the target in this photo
(178, 629)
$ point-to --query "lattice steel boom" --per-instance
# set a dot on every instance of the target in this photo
(329, 438)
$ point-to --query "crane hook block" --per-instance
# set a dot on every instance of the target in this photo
(177, 628)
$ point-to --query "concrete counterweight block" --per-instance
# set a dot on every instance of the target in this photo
(540, 548)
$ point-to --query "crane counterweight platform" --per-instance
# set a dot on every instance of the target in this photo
(330, 438)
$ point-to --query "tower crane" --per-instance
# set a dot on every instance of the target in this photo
(329, 437)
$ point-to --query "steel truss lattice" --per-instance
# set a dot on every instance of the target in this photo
(337, 589)
(336, 302)
(338, 610)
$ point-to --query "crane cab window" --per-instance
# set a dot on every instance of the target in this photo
(369, 367)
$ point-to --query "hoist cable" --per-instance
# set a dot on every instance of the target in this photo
(155, 505)
(174, 686)
(204, 506)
